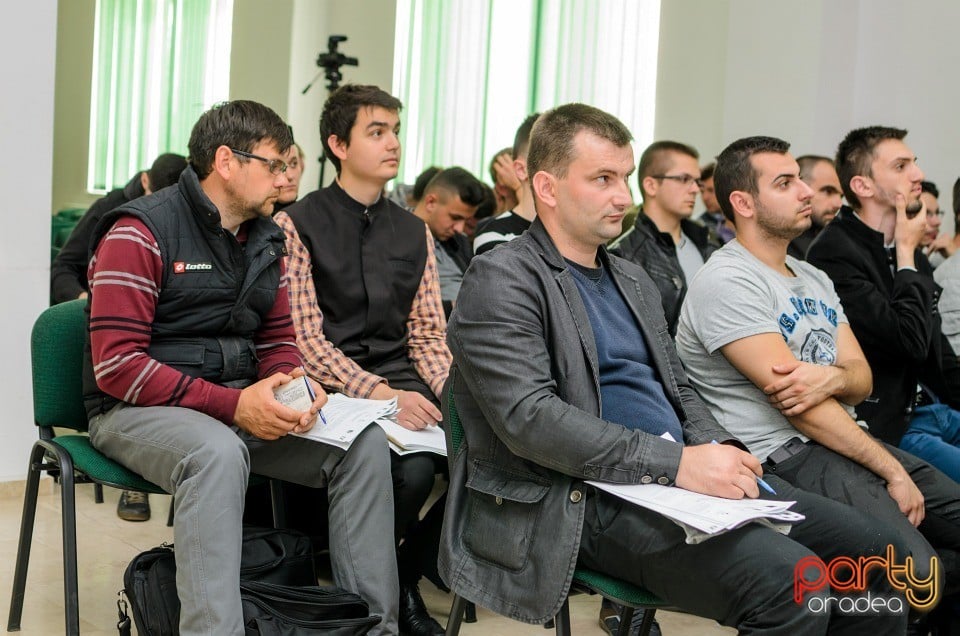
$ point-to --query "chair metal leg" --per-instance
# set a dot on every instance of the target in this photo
(456, 615)
(647, 622)
(71, 596)
(170, 514)
(26, 538)
(626, 617)
(278, 504)
(470, 614)
(563, 619)
(98, 493)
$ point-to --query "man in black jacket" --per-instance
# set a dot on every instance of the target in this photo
(664, 241)
(68, 273)
(871, 251)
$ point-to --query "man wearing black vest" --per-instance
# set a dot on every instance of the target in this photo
(190, 333)
(365, 301)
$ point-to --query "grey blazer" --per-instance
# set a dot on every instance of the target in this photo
(526, 386)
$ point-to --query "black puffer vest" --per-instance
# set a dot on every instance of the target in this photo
(214, 293)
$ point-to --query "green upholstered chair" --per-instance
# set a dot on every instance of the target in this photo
(628, 596)
(56, 352)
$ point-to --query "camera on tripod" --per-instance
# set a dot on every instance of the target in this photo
(333, 59)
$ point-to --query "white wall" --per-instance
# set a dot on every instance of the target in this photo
(369, 27)
(810, 72)
(26, 168)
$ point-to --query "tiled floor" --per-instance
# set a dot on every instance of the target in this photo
(106, 545)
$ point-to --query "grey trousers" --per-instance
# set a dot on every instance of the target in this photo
(206, 465)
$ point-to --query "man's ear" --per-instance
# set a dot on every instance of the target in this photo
(221, 162)
(649, 186)
(145, 182)
(338, 147)
(430, 200)
(863, 187)
(520, 167)
(545, 188)
(743, 204)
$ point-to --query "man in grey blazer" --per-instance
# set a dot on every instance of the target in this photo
(564, 371)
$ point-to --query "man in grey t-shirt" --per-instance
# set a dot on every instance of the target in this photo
(765, 342)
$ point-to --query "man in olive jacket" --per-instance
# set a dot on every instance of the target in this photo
(563, 372)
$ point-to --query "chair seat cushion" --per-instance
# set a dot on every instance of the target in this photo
(615, 589)
(100, 468)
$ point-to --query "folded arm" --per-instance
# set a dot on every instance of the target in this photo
(826, 422)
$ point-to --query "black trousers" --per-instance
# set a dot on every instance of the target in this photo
(743, 578)
(821, 470)
(413, 479)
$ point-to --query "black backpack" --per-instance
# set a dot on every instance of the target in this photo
(277, 589)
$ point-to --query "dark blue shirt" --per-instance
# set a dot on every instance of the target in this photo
(631, 392)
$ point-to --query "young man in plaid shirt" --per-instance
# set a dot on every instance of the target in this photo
(365, 301)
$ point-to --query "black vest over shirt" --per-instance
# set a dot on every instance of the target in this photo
(367, 264)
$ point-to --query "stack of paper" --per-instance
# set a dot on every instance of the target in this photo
(346, 418)
(403, 440)
(704, 516)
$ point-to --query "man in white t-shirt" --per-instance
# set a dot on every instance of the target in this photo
(765, 342)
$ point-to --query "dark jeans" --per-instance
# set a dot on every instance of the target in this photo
(820, 470)
(742, 578)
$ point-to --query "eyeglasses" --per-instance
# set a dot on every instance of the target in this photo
(276, 166)
(683, 179)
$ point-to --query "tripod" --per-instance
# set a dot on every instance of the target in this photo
(330, 62)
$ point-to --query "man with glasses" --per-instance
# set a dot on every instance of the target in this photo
(367, 309)
(190, 333)
(664, 241)
(872, 252)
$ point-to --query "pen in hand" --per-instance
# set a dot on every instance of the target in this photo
(760, 481)
(313, 396)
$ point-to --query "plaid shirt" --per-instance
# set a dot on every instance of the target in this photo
(426, 326)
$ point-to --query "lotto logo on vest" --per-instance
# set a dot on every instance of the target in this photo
(840, 584)
(179, 267)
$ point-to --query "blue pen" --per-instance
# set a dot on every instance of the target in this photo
(313, 397)
(760, 481)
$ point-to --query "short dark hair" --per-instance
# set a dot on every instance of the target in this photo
(460, 182)
(165, 170)
(807, 162)
(956, 202)
(856, 152)
(551, 140)
(656, 159)
(240, 124)
(420, 185)
(735, 171)
(930, 188)
(340, 113)
(521, 141)
(706, 172)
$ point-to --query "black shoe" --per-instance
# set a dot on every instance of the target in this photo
(133, 506)
(414, 619)
(610, 621)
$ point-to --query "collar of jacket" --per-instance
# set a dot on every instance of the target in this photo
(856, 227)
(696, 232)
(134, 189)
(353, 206)
(203, 208)
(549, 250)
